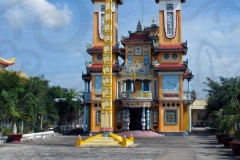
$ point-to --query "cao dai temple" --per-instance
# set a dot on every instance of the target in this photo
(147, 89)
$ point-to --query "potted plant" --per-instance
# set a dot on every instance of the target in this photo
(235, 144)
(220, 123)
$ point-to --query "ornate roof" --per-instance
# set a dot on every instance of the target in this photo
(171, 66)
(137, 38)
(118, 1)
(7, 62)
(141, 35)
(98, 67)
(188, 75)
(171, 47)
(183, 1)
(100, 49)
(86, 77)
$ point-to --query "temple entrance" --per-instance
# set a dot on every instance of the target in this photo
(135, 119)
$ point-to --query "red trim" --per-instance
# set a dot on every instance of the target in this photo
(187, 74)
(137, 38)
(99, 66)
(100, 48)
(171, 66)
(171, 47)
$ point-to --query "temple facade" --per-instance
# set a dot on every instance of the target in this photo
(147, 88)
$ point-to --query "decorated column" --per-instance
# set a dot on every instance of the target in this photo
(124, 86)
(147, 119)
(143, 119)
(127, 118)
(106, 101)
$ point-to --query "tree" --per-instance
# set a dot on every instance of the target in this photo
(223, 102)
(220, 93)
(11, 89)
(69, 107)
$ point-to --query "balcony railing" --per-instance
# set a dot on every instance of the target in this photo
(87, 96)
(136, 95)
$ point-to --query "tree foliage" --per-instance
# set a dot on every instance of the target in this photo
(32, 100)
(223, 102)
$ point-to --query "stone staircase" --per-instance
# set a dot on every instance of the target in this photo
(140, 134)
(102, 142)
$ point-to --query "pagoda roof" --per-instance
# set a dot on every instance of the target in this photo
(7, 62)
(188, 75)
(183, 1)
(171, 66)
(98, 67)
(137, 38)
(86, 77)
(118, 1)
(100, 49)
(171, 47)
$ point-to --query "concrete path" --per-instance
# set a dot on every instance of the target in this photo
(199, 146)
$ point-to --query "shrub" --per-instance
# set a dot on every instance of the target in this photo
(26, 130)
(0, 129)
(38, 129)
(6, 131)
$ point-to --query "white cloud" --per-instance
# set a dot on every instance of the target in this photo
(39, 11)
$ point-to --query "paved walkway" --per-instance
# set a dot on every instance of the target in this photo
(199, 146)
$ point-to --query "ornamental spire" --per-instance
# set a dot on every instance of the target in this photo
(139, 27)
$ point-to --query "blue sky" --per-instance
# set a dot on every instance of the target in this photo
(49, 36)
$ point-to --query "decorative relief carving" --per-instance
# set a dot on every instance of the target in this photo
(136, 104)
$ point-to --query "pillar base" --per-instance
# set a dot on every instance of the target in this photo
(105, 134)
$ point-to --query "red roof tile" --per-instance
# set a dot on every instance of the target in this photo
(188, 74)
(118, 2)
(137, 38)
(100, 48)
(171, 47)
(183, 1)
(99, 66)
(165, 66)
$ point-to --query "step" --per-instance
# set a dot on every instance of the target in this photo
(103, 139)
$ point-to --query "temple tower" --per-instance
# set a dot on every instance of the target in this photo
(170, 20)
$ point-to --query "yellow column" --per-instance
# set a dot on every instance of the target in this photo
(160, 86)
(181, 116)
(160, 120)
(106, 102)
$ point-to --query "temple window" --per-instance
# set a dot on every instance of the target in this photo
(146, 60)
(146, 86)
(170, 83)
(98, 117)
(174, 56)
(169, 6)
(129, 59)
(166, 56)
(170, 24)
(98, 84)
(129, 85)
